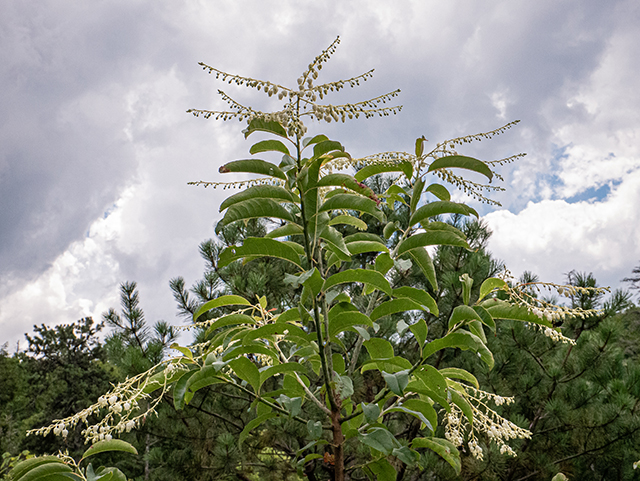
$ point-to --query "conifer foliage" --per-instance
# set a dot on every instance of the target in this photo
(300, 361)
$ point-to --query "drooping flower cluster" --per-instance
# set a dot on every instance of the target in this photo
(485, 420)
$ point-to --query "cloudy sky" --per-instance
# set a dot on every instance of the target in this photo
(96, 148)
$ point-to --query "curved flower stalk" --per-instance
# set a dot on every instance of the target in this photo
(300, 363)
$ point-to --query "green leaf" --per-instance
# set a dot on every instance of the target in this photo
(393, 306)
(269, 146)
(383, 470)
(384, 262)
(335, 241)
(437, 225)
(220, 302)
(380, 439)
(416, 194)
(423, 259)
(258, 192)
(461, 314)
(346, 320)
(256, 209)
(206, 376)
(392, 365)
(461, 162)
(389, 230)
(440, 207)
(364, 276)
(467, 282)
(345, 181)
(418, 295)
(344, 386)
(348, 220)
(456, 373)
(293, 405)
(352, 202)
(463, 404)
(326, 146)
(489, 285)
(462, 340)
(313, 140)
(251, 425)
(360, 247)
(504, 310)
(111, 445)
(419, 330)
(314, 428)
(406, 455)
(279, 369)
(445, 449)
(46, 471)
(247, 371)
(379, 348)
(380, 168)
(424, 408)
(432, 238)
(23, 467)
(158, 380)
(371, 412)
(184, 350)
(259, 246)
(486, 318)
(435, 381)
(250, 348)
(285, 231)
(396, 382)
(420, 146)
(440, 191)
(258, 124)
(180, 389)
(230, 320)
(253, 166)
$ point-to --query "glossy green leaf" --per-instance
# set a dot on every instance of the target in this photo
(422, 258)
(362, 236)
(381, 469)
(346, 181)
(396, 382)
(46, 471)
(420, 296)
(437, 225)
(230, 320)
(381, 168)
(344, 386)
(383, 263)
(499, 309)
(392, 364)
(269, 146)
(371, 412)
(346, 320)
(336, 243)
(462, 340)
(360, 247)
(394, 306)
(352, 202)
(456, 373)
(221, 301)
(251, 425)
(111, 445)
(313, 140)
(348, 220)
(389, 230)
(364, 276)
(272, 192)
(432, 378)
(461, 162)
(486, 318)
(326, 146)
(424, 408)
(379, 348)
(467, 282)
(256, 209)
(419, 330)
(279, 369)
(184, 350)
(380, 439)
(439, 207)
(416, 194)
(285, 231)
(432, 238)
(158, 380)
(23, 467)
(489, 285)
(259, 246)
(253, 166)
(180, 389)
(445, 449)
(314, 428)
(461, 314)
(420, 146)
(206, 376)
(258, 124)
(247, 371)
(440, 191)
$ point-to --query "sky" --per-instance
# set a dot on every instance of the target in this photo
(96, 147)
